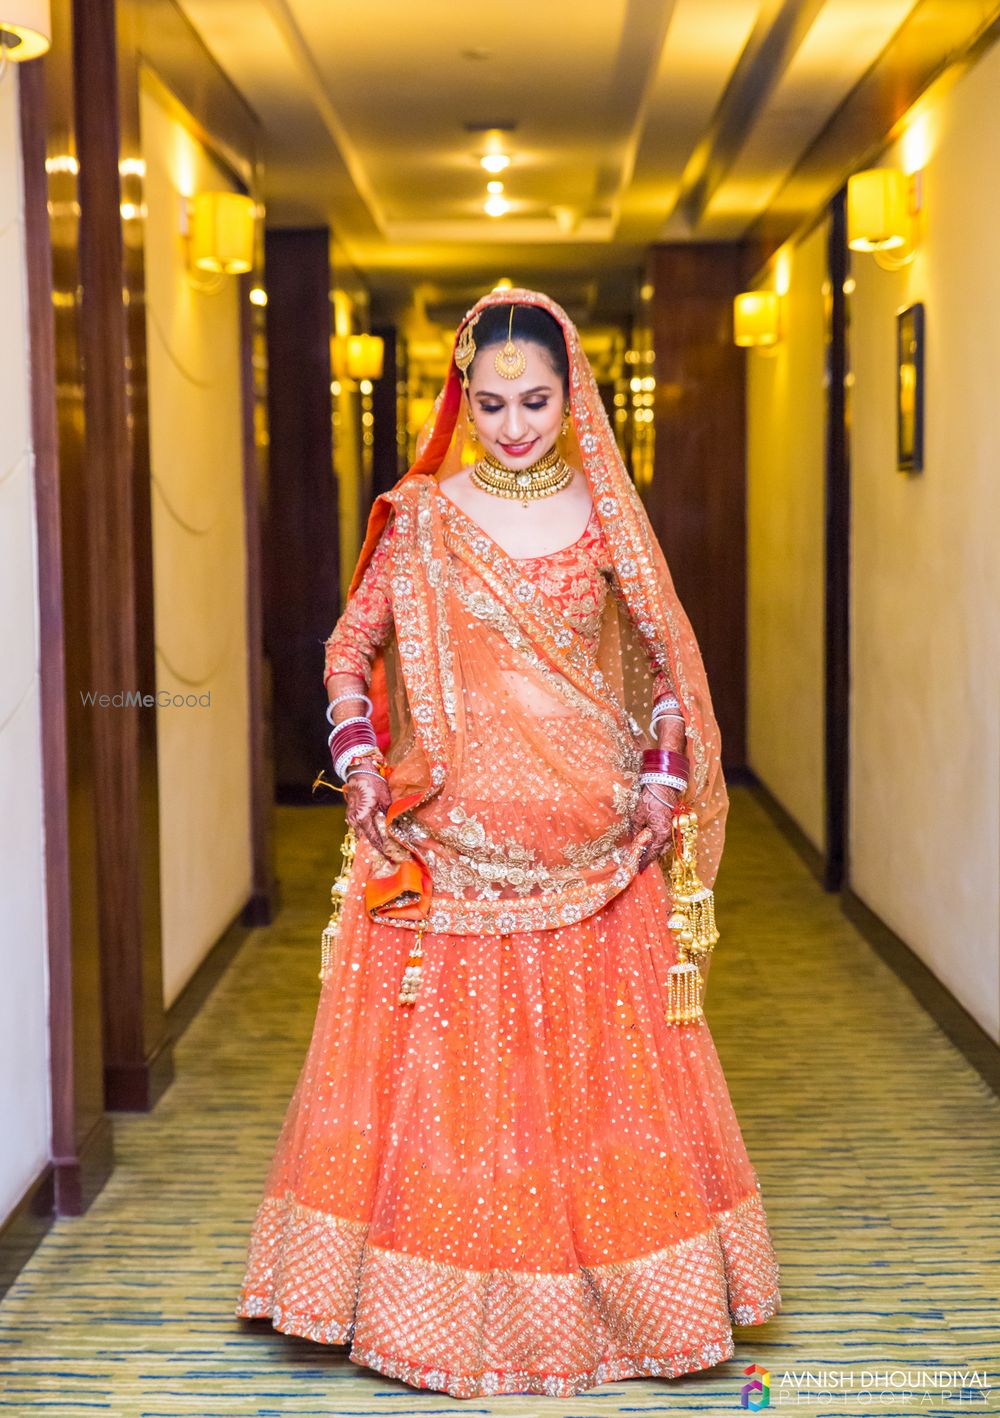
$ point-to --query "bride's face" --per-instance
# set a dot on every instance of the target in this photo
(518, 420)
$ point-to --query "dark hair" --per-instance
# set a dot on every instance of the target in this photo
(531, 323)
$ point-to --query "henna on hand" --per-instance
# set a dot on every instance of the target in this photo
(368, 797)
(654, 812)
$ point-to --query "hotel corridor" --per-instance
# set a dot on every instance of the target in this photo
(876, 1143)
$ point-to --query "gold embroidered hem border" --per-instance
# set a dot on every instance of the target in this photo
(470, 1333)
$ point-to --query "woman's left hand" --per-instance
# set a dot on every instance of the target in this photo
(654, 812)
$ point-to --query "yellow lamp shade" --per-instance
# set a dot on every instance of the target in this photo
(756, 318)
(222, 231)
(25, 28)
(878, 212)
(418, 412)
(365, 354)
(338, 356)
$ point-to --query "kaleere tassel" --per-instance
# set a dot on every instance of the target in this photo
(692, 920)
(412, 974)
(337, 893)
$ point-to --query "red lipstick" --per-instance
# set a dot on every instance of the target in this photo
(518, 450)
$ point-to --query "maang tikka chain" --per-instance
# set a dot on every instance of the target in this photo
(510, 361)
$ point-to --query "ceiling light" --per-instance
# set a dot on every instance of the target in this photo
(62, 162)
(494, 186)
(494, 162)
(504, 283)
(567, 218)
(25, 29)
(258, 296)
(495, 206)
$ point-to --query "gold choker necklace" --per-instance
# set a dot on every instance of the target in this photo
(547, 475)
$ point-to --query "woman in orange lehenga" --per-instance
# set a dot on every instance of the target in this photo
(503, 1170)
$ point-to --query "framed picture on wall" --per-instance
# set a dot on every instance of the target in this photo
(910, 388)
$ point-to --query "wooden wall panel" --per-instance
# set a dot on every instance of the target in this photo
(697, 498)
(302, 556)
(385, 407)
(136, 1049)
(81, 1143)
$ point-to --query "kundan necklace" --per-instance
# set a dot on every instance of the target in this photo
(548, 474)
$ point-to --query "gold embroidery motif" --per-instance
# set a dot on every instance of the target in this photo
(437, 575)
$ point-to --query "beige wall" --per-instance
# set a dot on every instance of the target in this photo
(786, 412)
(24, 1066)
(196, 454)
(924, 827)
(925, 720)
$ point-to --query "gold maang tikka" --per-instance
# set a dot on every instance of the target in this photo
(510, 361)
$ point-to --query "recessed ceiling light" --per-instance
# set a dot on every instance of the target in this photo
(494, 186)
(495, 206)
(495, 162)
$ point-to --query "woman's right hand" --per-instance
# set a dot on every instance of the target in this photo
(368, 797)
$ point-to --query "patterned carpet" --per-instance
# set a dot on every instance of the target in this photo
(877, 1146)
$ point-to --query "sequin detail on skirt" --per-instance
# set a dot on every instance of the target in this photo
(471, 1333)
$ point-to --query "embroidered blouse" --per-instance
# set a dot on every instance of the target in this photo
(577, 577)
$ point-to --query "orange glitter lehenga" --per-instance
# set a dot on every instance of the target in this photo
(528, 1181)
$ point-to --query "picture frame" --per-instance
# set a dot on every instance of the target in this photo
(910, 331)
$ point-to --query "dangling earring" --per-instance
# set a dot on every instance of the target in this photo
(564, 430)
(471, 428)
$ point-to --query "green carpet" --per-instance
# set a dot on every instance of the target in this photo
(877, 1147)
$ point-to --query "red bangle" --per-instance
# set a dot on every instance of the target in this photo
(353, 733)
(665, 758)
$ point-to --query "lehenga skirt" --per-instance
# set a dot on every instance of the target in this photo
(528, 1181)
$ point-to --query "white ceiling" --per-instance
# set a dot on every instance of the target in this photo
(364, 103)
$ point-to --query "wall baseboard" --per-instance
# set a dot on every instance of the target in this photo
(204, 980)
(952, 1018)
(62, 1188)
(968, 1036)
(26, 1226)
(135, 1087)
(784, 821)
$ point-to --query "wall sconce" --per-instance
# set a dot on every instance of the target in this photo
(365, 354)
(221, 232)
(757, 319)
(25, 30)
(883, 206)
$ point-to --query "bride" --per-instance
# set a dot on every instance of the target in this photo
(504, 1169)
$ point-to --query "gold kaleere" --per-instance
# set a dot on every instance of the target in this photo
(412, 973)
(337, 893)
(692, 920)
